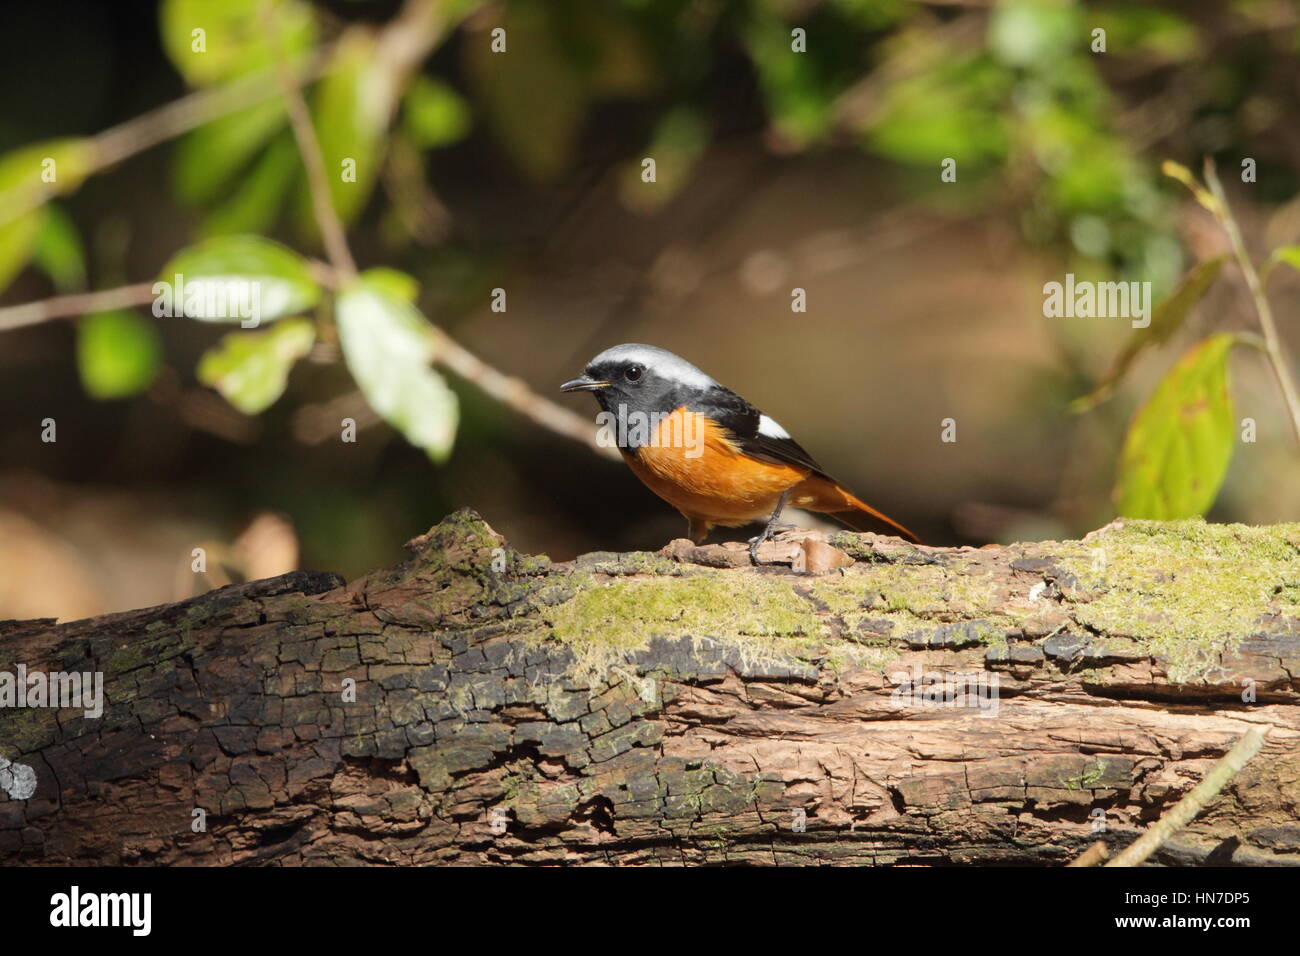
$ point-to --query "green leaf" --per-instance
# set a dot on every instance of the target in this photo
(234, 38)
(27, 175)
(58, 251)
(351, 110)
(434, 114)
(256, 203)
(118, 354)
(238, 278)
(396, 283)
(210, 156)
(387, 345)
(251, 369)
(17, 241)
(1180, 442)
(1167, 318)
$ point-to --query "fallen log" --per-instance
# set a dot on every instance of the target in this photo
(867, 701)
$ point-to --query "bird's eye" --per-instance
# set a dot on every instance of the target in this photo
(633, 373)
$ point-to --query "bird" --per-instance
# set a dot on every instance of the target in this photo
(708, 452)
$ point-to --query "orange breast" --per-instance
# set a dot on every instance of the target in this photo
(694, 467)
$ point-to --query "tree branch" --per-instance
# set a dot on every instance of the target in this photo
(70, 306)
(304, 133)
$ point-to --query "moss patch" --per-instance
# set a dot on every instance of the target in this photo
(765, 617)
(917, 598)
(1184, 587)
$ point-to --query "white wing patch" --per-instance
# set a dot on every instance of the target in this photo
(770, 428)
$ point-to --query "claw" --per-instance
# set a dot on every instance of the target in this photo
(768, 531)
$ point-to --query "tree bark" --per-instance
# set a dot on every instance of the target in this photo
(884, 704)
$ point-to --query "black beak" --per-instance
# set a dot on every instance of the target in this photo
(583, 384)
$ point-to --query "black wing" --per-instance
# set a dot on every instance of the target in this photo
(742, 419)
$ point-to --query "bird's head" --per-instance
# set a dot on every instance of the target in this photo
(640, 378)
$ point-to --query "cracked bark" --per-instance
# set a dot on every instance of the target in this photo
(679, 707)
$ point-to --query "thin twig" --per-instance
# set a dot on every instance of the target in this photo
(514, 393)
(327, 218)
(164, 123)
(70, 306)
(1272, 344)
(1187, 808)
(1095, 855)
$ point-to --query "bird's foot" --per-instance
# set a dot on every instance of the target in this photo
(754, 543)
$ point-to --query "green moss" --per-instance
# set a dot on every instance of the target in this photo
(765, 617)
(916, 598)
(1184, 587)
(625, 613)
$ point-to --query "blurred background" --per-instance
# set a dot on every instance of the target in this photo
(521, 170)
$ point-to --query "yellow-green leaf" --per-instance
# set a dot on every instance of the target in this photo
(251, 369)
(58, 251)
(27, 176)
(118, 354)
(1180, 442)
(1286, 255)
(213, 40)
(1184, 175)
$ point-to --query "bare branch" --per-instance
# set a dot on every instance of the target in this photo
(514, 393)
(1093, 856)
(157, 126)
(327, 218)
(71, 306)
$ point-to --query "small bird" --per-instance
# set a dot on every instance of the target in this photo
(709, 453)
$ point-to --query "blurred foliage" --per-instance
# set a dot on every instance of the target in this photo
(1041, 124)
(118, 354)
(210, 41)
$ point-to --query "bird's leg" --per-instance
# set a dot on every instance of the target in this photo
(770, 529)
(698, 529)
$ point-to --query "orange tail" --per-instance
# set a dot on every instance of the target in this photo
(831, 499)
